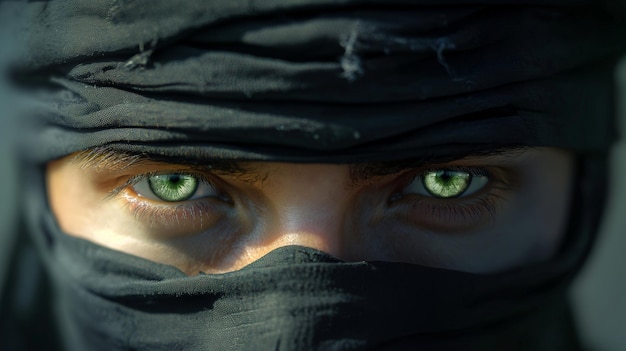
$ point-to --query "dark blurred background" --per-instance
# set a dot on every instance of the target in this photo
(8, 172)
(600, 292)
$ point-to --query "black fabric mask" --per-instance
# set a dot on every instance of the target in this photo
(316, 81)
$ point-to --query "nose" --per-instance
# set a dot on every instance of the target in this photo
(310, 222)
(307, 205)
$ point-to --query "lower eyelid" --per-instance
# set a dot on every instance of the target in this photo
(185, 218)
(449, 216)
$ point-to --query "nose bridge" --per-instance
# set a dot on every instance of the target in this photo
(311, 225)
(309, 209)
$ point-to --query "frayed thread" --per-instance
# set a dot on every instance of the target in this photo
(351, 63)
(440, 46)
(141, 59)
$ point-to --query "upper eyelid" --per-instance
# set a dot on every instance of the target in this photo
(361, 172)
(473, 170)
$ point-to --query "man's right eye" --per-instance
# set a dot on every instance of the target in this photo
(174, 187)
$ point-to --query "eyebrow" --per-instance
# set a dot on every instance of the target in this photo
(106, 158)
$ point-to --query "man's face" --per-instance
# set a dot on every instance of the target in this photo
(477, 214)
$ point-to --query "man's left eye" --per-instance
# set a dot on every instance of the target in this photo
(173, 187)
(447, 183)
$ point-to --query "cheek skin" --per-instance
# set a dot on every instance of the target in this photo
(84, 211)
(81, 210)
(548, 205)
(71, 193)
(538, 222)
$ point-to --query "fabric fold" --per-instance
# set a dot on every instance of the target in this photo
(337, 81)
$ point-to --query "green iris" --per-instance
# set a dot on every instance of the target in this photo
(446, 183)
(173, 187)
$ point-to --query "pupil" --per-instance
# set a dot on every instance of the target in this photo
(445, 177)
(174, 179)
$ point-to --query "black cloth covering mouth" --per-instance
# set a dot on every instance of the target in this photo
(314, 81)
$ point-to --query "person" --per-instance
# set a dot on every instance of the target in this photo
(299, 175)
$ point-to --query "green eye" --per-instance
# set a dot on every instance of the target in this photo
(173, 187)
(446, 183)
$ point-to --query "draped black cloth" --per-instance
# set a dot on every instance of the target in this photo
(333, 81)
(315, 81)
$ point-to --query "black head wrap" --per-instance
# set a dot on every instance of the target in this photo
(316, 81)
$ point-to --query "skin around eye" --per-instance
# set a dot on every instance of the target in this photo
(454, 199)
(174, 204)
(478, 214)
